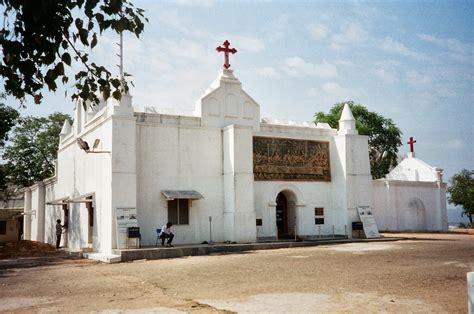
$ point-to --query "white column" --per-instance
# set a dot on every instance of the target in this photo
(352, 181)
(27, 216)
(239, 212)
(40, 212)
(124, 173)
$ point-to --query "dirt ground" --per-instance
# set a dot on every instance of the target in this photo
(424, 274)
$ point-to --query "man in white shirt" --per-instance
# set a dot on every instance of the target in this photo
(166, 233)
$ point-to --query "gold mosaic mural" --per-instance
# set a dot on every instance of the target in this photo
(280, 159)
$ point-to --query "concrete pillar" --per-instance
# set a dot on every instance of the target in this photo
(27, 216)
(239, 212)
(40, 212)
(124, 174)
(355, 180)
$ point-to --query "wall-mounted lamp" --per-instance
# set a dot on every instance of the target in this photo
(85, 147)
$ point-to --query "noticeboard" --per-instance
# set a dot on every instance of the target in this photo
(368, 222)
(124, 218)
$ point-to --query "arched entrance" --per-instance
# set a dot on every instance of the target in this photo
(415, 215)
(282, 215)
(285, 214)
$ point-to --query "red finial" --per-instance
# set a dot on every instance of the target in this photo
(226, 51)
(411, 142)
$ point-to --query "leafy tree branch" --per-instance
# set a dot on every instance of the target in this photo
(39, 37)
(461, 192)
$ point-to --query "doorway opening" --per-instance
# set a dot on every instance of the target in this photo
(65, 208)
(90, 214)
(282, 216)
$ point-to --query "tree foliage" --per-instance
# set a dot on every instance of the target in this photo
(33, 149)
(8, 118)
(461, 191)
(40, 39)
(384, 135)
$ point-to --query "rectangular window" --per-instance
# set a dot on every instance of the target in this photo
(178, 211)
(319, 216)
(3, 227)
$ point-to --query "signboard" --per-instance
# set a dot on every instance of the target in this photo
(368, 222)
(124, 218)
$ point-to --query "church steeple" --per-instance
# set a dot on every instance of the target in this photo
(347, 123)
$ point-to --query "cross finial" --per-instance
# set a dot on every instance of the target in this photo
(411, 142)
(226, 51)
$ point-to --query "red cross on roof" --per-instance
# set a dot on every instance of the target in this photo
(226, 51)
(411, 142)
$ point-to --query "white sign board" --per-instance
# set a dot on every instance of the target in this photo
(368, 222)
(470, 292)
(124, 218)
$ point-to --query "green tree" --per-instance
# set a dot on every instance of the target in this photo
(8, 118)
(33, 149)
(461, 191)
(40, 38)
(384, 135)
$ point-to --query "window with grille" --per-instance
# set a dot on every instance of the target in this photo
(319, 216)
(178, 211)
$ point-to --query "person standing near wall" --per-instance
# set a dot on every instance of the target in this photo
(59, 231)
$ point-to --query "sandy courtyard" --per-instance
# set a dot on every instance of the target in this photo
(424, 274)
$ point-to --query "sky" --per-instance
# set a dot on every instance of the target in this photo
(409, 61)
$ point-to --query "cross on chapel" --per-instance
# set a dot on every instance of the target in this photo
(411, 142)
(226, 51)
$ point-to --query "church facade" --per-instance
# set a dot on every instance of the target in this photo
(223, 168)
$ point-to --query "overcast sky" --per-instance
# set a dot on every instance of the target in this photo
(411, 62)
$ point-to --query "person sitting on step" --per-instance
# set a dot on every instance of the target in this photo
(166, 233)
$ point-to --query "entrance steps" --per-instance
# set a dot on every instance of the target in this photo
(102, 257)
(151, 253)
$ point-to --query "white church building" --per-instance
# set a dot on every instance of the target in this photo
(251, 178)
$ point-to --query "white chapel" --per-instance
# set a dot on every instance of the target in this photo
(251, 178)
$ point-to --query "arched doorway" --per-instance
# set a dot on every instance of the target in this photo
(415, 215)
(282, 215)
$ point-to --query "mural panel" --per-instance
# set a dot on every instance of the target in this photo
(281, 159)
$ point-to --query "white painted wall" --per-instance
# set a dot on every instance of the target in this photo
(175, 153)
(37, 214)
(352, 178)
(226, 103)
(239, 212)
(306, 195)
(411, 197)
(52, 213)
(404, 205)
(79, 175)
